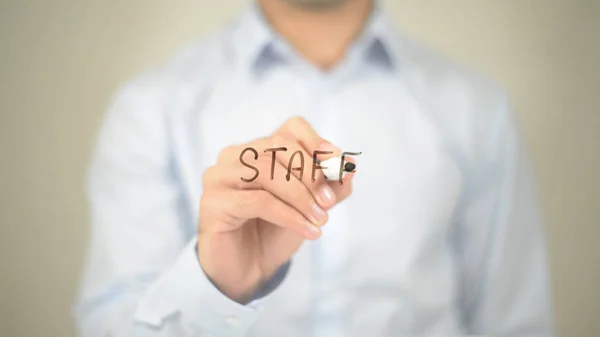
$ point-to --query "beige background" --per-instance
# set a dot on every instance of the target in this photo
(60, 61)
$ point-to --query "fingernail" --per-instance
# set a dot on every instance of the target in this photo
(313, 231)
(319, 215)
(326, 195)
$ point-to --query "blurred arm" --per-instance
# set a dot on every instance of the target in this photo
(142, 275)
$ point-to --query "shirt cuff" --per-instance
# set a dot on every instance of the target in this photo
(257, 298)
(270, 286)
(186, 290)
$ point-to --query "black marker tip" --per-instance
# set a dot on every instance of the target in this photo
(349, 167)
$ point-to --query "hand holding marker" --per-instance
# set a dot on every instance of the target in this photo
(251, 224)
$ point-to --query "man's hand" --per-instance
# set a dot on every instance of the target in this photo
(247, 230)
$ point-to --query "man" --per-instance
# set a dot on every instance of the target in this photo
(435, 233)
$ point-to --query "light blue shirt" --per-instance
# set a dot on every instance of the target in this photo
(441, 235)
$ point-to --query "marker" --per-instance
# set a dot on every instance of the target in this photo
(332, 170)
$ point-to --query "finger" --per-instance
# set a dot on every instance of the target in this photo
(310, 174)
(291, 191)
(298, 128)
(283, 147)
(342, 191)
(234, 153)
(295, 164)
(232, 208)
(301, 166)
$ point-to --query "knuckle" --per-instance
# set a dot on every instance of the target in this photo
(297, 122)
(230, 150)
(227, 152)
(277, 140)
(208, 175)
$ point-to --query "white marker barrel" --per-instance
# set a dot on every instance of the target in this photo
(332, 168)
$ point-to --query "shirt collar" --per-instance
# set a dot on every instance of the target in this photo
(377, 40)
(254, 41)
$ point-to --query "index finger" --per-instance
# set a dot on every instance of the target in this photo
(299, 129)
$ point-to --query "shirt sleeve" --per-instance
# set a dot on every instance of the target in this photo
(142, 276)
(505, 287)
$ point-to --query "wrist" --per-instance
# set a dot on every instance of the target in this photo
(237, 282)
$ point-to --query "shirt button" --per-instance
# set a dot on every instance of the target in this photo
(233, 321)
